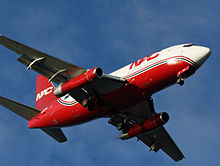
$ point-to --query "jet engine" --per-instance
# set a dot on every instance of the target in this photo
(78, 81)
(146, 126)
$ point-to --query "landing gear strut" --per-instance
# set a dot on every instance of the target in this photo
(121, 122)
(180, 80)
(125, 125)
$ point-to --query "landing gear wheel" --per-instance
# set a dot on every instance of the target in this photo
(180, 81)
(125, 130)
(119, 126)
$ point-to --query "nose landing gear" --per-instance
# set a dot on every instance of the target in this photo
(184, 73)
(180, 80)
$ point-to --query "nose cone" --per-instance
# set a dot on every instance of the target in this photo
(203, 53)
(198, 54)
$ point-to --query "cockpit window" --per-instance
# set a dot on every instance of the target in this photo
(188, 45)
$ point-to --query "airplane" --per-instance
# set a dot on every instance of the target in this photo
(124, 96)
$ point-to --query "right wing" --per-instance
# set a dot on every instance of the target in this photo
(54, 69)
(60, 72)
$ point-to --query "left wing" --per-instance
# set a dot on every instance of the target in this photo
(160, 139)
(156, 139)
(53, 68)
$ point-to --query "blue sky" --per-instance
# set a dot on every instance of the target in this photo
(111, 34)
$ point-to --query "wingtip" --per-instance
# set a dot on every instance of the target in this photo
(64, 140)
(180, 158)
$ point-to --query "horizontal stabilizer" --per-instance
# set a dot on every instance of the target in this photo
(57, 134)
(22, 110)
(28, 113)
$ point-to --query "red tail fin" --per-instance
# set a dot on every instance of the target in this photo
(44, 92)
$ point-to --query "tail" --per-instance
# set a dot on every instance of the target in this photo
(44, 97)
(44, 92)
(28, 113)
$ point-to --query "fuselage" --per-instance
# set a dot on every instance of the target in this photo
(145, 77)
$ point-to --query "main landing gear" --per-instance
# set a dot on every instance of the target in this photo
(125, 125)
(89, 103)
(125, 121)
(121, 122)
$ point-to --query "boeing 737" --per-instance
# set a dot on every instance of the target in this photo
(124, 96)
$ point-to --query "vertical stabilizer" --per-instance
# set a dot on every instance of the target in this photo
(44, 92)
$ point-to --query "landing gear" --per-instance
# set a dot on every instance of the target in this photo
(124, 127)
(126, 124)
(119, 126)
(121, 122)
(180, 80)
(88, 102)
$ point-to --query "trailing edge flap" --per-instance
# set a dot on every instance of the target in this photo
(57, 134)
(22, 110)
(53, 68)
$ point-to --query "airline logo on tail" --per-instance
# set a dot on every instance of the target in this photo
(44, 92)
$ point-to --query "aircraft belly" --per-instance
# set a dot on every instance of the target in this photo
(62, 116)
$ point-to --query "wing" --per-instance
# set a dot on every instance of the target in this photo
(98, 87)
(156, 139)
(160, 139)
(54, 69)
(60, 72)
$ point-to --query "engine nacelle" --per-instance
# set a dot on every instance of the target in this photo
(146, 126)
(78, 81)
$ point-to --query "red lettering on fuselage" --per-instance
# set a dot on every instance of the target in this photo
(139, 62)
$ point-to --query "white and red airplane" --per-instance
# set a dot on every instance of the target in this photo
(123, 96)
